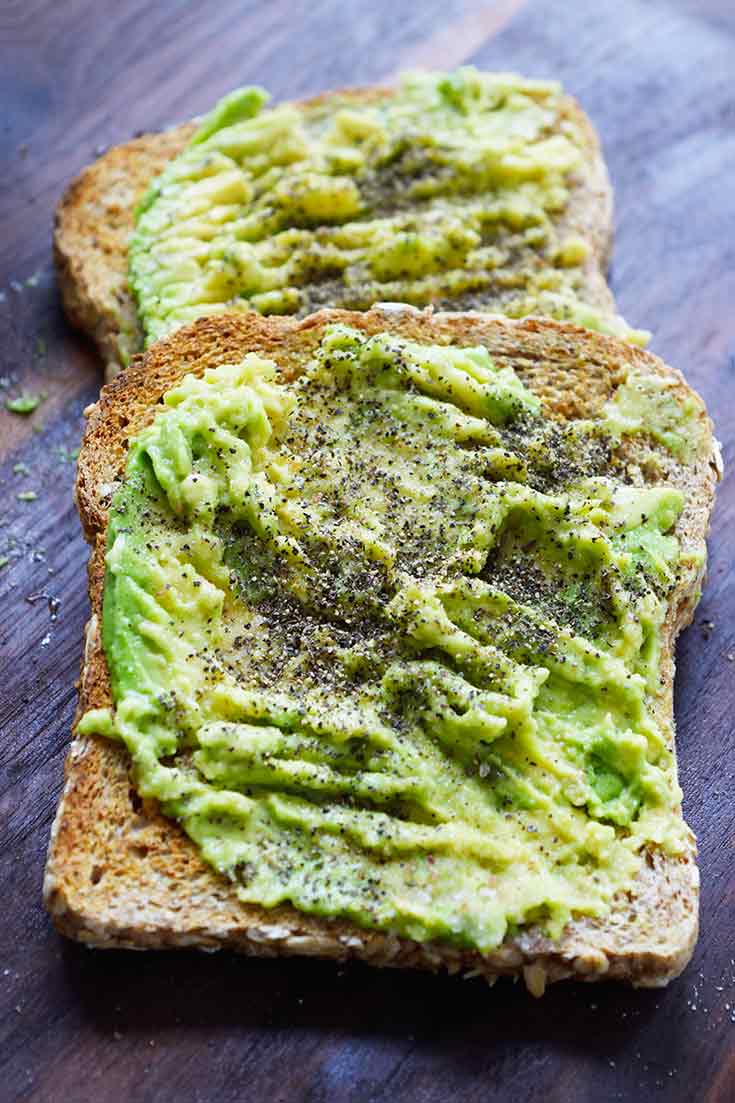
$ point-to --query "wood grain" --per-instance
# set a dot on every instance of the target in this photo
(75, 77)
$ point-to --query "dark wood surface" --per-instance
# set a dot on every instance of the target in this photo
(657, 77)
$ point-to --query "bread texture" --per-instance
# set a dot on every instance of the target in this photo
(96, 215)
(120, 874)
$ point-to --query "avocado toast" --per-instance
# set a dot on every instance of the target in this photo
(508, 618)
(463, 191)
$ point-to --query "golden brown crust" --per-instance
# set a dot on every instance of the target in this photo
(95, 218)
(92, 225)
(120, 874)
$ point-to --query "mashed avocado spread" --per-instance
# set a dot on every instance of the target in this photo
(452, 191)
(384, 640)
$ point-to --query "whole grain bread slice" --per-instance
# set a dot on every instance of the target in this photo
(95, 218)
(119, 874)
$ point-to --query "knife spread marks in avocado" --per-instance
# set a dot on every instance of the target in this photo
(384, 640)
(452, 191)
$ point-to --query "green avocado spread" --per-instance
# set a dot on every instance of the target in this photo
(452, 191)
(385, 640)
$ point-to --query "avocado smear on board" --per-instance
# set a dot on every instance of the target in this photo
(384, 640)
(451, 191)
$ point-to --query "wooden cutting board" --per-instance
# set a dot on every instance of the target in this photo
(657, 79)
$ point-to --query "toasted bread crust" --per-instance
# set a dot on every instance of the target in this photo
(95, 218)
(121, 874)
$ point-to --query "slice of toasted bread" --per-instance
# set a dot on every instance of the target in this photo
(120, 874)
(95, 218)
